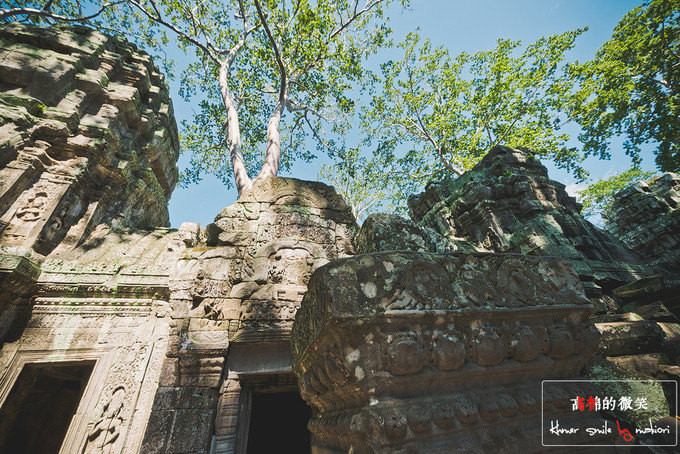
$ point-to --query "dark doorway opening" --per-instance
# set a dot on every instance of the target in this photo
(38, 410)
(278, 423)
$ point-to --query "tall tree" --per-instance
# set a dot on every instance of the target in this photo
(255, 61)
(632, 86)
(446, 113)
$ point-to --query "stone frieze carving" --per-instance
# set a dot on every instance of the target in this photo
(409, 352)
(105, 431)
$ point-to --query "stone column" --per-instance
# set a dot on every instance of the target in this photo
(226, 422)
(19, 271)
(406, 352)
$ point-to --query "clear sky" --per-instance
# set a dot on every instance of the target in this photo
(459, 25)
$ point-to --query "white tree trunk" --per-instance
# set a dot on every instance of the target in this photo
(233, 132)
(272, 159)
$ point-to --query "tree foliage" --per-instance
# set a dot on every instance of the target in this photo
(447, 112)
(363, 182)
(301, 57)
(632, 87)
(598, 197)
(254, 61)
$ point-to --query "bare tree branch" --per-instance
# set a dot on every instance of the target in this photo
(438, 148)
(328, 146)
(519, 114)
(159, 19)
(298, 122)
(355, 16)
(275, 47)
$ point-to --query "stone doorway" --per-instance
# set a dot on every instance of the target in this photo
(37, 413)
(278, 423)
(272, 416)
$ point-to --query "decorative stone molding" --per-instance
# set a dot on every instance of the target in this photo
(417, 352)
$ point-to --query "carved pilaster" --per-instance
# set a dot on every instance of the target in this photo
(19, 271)
(228, 412)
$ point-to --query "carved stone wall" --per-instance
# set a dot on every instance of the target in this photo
(88, 151)
(87, 137)
(507, 203)
(417, 352)
(239, 295)
(396, 351)
(105, 302)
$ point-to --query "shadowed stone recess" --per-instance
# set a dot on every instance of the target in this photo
(87, 137)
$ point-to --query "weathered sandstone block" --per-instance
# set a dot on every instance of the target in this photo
(418, 352)
(646, 217)
(88, 137)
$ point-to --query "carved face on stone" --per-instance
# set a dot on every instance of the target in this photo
(116, 403)
(290, 266)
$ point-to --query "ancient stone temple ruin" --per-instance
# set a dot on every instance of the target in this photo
(283, 326)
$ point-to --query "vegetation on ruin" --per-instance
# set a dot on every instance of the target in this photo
(433, 115)
(424, 115)
(254, 62)
(448, 112)
(599, 196)
(632, 87)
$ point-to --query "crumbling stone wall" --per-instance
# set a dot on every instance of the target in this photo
(88, 151)
(234, 300)
(87, 169)
(182, 324)
(420, 352)
(87, 137)
(646, 217)
(507, 203)
(106, 302)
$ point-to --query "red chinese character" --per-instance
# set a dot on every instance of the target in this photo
(592, 403)
(578, 403)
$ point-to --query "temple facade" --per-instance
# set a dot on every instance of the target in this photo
(282, 326)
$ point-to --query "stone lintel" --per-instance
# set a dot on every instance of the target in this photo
(259, 358)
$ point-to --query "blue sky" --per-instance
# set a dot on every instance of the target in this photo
(462, 25)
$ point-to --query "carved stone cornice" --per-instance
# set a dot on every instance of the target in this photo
(415, 351)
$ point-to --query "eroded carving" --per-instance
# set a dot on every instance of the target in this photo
(105, 431)
(423, 376)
